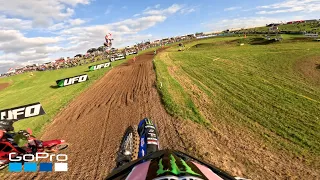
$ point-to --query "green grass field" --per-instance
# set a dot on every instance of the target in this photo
(26, 89)
(246, 86)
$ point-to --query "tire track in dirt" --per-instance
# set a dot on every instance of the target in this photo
(94, 122)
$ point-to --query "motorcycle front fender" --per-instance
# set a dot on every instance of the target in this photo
(52, 143)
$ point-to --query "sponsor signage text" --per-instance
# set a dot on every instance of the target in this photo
(118, 58)
(99, 66)
(22, 112)
(72, 80)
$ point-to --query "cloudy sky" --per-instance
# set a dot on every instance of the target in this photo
(37, 31)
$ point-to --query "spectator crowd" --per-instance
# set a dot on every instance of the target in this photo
(93, 55)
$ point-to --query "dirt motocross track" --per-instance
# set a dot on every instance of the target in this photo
(95, 121)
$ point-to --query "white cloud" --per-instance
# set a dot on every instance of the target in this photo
(17, 47)
(75, 2)
(306, 6)
(136, 15)
(65, 24)
(6, 61)
(187, 10)
(170, 10)
(48, 49)
(245, 22)
(71, 36)
(24, 58)
(14, 23)
(6, 64)
(42, 13)
(57, 26)
(152, 7)
(76, 22)
(295, 9)
(232, 8)
(122, 32)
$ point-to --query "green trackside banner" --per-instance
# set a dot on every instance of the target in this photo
(72, 80)
(99, 66)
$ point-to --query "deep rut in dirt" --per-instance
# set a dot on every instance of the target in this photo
(94, 122)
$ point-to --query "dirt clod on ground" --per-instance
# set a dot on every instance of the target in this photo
(4, 85)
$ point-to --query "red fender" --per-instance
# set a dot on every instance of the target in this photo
(52, 142)
(4, 153)
(1, 134)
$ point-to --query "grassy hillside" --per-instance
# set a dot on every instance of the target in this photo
(308, 27)
(260, 88)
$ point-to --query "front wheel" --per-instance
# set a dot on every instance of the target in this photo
(129, 146)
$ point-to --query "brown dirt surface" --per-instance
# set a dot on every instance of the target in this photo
(4, 85)
(310, 68)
